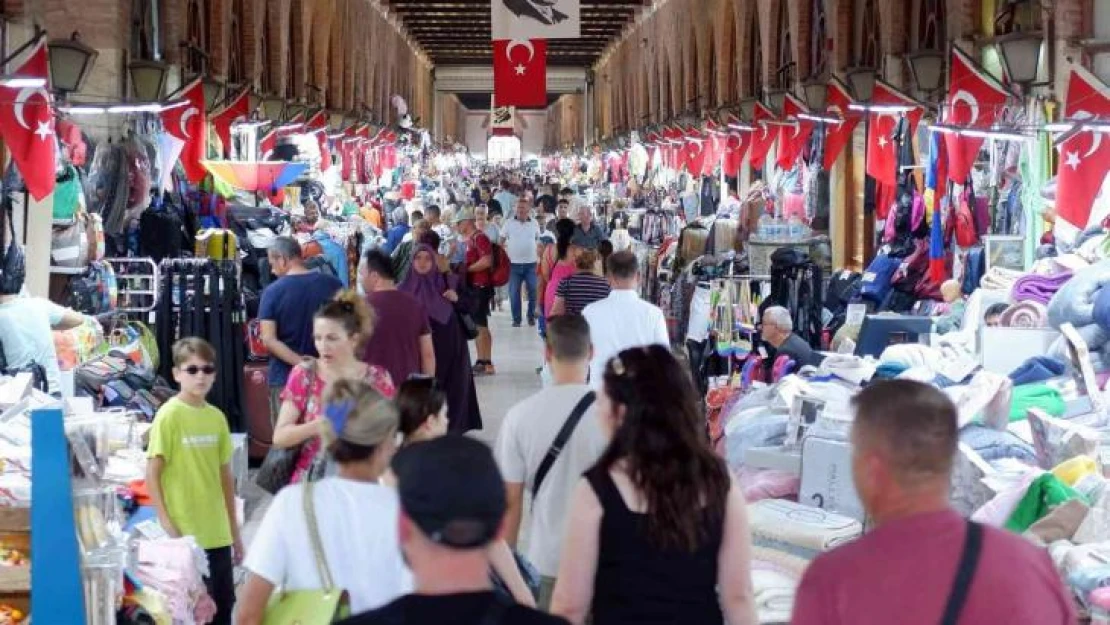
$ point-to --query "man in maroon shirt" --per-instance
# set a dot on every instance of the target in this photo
(479, 262)
(402, 339)
(923, 564)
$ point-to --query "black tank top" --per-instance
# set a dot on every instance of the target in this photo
(638, 583)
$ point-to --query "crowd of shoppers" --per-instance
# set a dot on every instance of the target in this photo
(604, 479)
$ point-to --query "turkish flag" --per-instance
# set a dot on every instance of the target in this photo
(267, 144)
(695, 151)
(27, 125)
(974, 100)
(222, 120)
(520, 73)
(837, 136)
(318, 125)
(187, 123)
(714, 147)
(1084, 154)
(793, 135)
(672, 149)
(762, 137)
(737, 143)
(882, 151)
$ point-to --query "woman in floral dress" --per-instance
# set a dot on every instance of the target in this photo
(339, 328)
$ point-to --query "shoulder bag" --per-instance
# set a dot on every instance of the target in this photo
(280, 464)
(328, 604)
(965, 572)
(560, 441)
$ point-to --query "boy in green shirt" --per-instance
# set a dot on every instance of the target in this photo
(189, 471)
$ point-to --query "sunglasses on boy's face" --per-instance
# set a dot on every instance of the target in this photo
(206, 369)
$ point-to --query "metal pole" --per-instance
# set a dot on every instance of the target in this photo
(586, 113)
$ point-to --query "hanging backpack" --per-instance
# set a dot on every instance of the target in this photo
(67, 196)
(499, 272)
(161, 234)
(967, 235)
(69, 244)
(256, 349)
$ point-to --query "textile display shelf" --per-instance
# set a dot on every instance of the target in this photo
(92, 541)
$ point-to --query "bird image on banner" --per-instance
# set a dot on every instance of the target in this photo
(935, 183)
(837, 136)
(882, 152)
(1084, 153)
(187, 123)
(536, 19)
(520, 73)
(974, 100)
(27, 125)
(502, 121)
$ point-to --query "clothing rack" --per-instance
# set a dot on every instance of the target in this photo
(138, 284)
(201, 297)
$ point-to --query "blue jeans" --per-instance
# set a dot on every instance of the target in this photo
(526, 273)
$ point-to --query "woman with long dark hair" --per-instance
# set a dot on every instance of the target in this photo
(657, 533)
(557, 263)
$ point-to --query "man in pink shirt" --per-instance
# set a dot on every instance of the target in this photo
(923, 564)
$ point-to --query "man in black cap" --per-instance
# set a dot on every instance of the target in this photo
(452, 508)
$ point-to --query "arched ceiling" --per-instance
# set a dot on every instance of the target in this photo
(457, 32)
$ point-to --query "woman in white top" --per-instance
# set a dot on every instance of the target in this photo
(356, 517)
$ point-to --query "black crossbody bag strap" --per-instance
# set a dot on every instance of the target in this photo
(561, 440)
(965, 572)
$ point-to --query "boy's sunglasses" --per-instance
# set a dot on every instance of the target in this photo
(206, 369)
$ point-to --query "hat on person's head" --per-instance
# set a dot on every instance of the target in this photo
(452, 490)
(465, 214)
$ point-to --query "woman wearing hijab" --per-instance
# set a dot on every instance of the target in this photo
(439, 293)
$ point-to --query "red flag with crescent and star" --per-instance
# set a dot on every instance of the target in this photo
(837, 136)
(267, 144)
(318, 125)
(237, 107)
(27, 125)
(186, 122)
(762, 138)
(520, 73)
(974, 101)
(694, 153)
(882, 151)
(736, 145)
(714, 147)
(1084, 153)
(793, 134)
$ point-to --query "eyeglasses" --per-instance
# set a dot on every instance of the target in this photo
(206, 370)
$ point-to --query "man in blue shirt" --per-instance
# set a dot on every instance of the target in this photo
(505, 197)
(287, 310)
(397, 232)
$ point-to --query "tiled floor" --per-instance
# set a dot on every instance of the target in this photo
(516, 354)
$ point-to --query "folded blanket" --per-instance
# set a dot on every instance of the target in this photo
(798, 529)
(1075, 301)
(1028, 314)
(1045, 493)
(1038, 288)
(1092, 334)
(1037, 369)
(1101, 312)
(1000, 278)
(774, 596)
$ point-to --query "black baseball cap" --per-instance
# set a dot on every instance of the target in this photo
(452, 490)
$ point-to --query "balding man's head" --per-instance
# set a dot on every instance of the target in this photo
(904, 441)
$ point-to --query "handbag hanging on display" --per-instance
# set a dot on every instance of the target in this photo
(328, 604)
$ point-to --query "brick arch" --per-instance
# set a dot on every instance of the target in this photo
(705, 47)
(337, 44)
(323, 11)
(297, 59)
(689, 61)
(727, 56)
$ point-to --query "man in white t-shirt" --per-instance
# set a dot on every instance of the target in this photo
(623, 320)
(519, 235)
(27, 337)
(527, 434)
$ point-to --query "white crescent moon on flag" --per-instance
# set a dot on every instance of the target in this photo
(21, 101)
(520, 42)
(185, 120)
(797, 129)
(965, 96)
(835, 108)
(1097, 143)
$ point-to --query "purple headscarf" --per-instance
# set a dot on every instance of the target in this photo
(428, 287)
